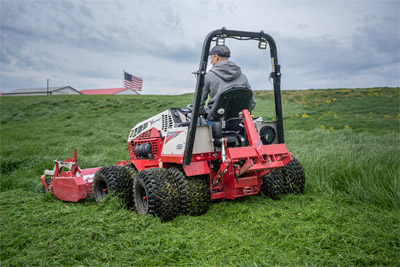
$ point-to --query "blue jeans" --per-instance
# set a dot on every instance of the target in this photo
(207, 121)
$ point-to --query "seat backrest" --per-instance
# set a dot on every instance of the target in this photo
(230, 102)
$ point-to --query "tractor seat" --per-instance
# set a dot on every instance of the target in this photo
(225, 112)
(230, 103)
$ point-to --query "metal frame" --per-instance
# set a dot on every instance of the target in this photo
(275, 75)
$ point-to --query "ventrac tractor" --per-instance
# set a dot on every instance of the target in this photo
(179, 162)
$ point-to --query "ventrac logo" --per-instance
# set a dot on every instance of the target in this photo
(154, 121)
(172, 135)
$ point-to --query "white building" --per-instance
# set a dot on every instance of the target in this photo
(63, 90)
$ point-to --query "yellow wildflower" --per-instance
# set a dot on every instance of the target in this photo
(387, 116)
(297, 115)
(327, 101)
(322, 126)
(305, 115)
(398, 116)
(331, 128)
(334, 99)
(334, 115)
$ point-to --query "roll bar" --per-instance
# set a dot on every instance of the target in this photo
(275, 75)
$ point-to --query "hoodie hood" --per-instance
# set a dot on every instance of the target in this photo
(226, 70)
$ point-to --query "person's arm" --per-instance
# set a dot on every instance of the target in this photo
(204, 95)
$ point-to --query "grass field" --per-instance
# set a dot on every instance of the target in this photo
(348, 141)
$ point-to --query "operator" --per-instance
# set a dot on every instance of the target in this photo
(223, 75)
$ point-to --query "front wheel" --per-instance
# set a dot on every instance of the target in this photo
(132, 171)
(112, 180)
(156, 193)
(141, 197)
(194, 192)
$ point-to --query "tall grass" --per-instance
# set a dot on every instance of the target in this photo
(323, 129)
(361, 165)
(348, 142)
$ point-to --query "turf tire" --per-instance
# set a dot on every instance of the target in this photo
(132, 171)
(291, 177)
(273, 185)
(113, 180)
(155, 192)
(194, 192)
(294, 176)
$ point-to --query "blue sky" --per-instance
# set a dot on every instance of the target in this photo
(88, 44)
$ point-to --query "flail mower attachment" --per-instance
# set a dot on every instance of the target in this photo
(68, 182)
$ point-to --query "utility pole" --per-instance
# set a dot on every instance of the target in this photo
(48, 86)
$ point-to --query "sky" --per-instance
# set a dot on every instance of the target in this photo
(89, 44)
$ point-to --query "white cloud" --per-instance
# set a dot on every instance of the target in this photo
(87, 44)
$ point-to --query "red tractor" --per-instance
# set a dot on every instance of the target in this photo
(178, 164)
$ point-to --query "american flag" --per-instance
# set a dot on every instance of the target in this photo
(133, 82)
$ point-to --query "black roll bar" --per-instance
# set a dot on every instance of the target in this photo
(275, 75)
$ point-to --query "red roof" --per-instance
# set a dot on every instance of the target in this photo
(110, 91)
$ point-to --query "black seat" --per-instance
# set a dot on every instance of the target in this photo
(230, 103)
(226, 108)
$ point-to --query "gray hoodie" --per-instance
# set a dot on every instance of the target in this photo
(224, 75)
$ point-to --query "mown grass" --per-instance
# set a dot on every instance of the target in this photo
(299, 230)
(347, 140)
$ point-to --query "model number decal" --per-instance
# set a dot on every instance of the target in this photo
(172, 135)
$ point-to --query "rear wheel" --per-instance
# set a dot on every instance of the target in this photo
(289, 180)
(294, 174)
(194, 193)
(273, 185)
(113, 180)
(156, 193)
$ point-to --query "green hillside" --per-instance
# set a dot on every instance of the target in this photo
(348, 141)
